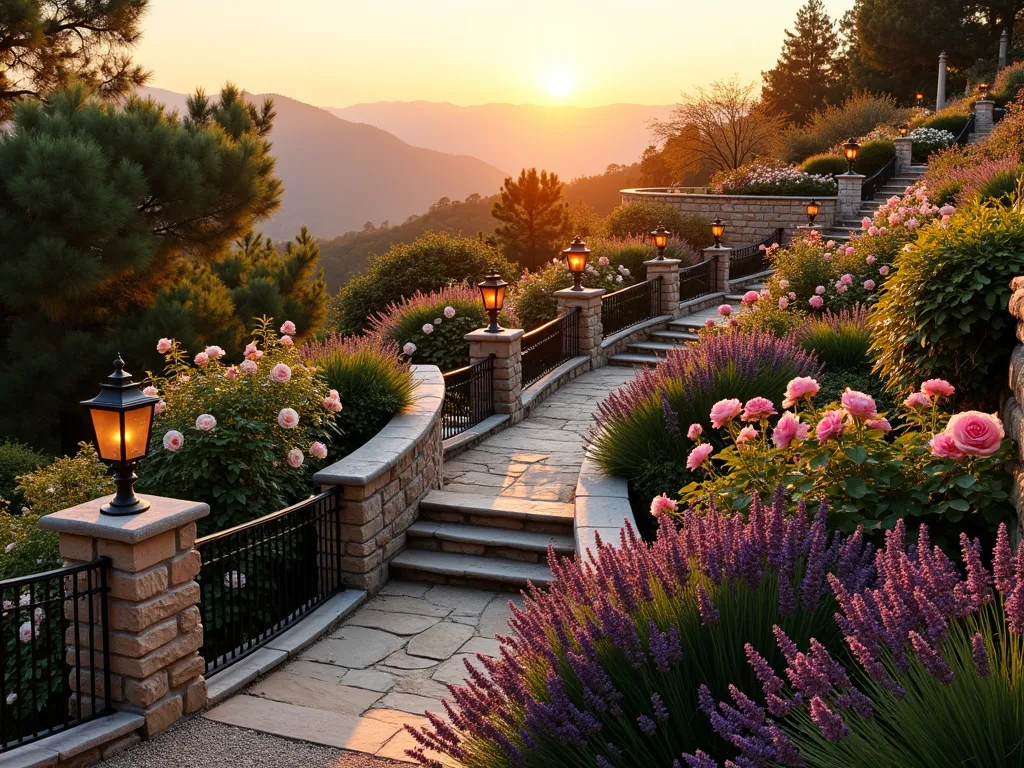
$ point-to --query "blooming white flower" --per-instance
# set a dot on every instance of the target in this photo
(409, 349)
(427, 329)
(234, 580)
(10, 547)
(618, 278)
(11, 698)
(205, 422)
(438, 321)
(449, 312)
(173, 440)
(288, 418)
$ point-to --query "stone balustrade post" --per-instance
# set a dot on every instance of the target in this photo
(589, 303)
(850, 186)
(723, 257)
(984, 117)
(940, 90)
(506, 346)
(904, 152)
(155, 627)
(668, 271)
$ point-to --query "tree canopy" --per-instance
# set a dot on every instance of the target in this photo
(534, 219)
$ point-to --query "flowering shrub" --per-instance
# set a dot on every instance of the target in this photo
(936, 681)
(534, 294)
(602, 669)
(928, 140)
(768, 178)
(239, 437)
(843, 452)
(638, 219)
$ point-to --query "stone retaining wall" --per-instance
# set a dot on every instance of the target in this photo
(383, 482)
(747, 218)
(1011, 411)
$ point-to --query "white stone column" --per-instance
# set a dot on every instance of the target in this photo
(506, 346)
(589, 302)
(940, 92)
(984, 117)
(1004, 47)
(904, 152)
(668, 271)
(850, 186)
(722, 256)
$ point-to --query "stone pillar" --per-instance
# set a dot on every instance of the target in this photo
(904, 152)
(589, 302)
(1011, 411)
(940, 92)
(722, 256)
(1004, 47)
(984, 117)
(155, 626)
(668, 271)
(848, 205)
(508, 366)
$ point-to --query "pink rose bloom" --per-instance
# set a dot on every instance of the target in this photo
(783, 302)
(205, 422)
(975, 433)
(831, 425)
(827, 257)
(883, 270)
(798, 389)
(164, 346)
(791, 296)
(295, 458)
(830, 244)
(820, 290)
(151, 391)
(917, 400)
(725, 411)
(202, 358)
(894, 219)
(842, 289)
(248, 366)
(947, 210)
(318, 450)
(865, 222)
(788, 429)
(281, 373)
(332, 404)
(859, 405)
(733, 322)
(912, 224)
(783, 284)
(699, 455)
(214, 352)
(709, 323)
(251, 352)
(603, 261)
(25, 632)
(661, 505)
(409, 349)
(746, 435)
(695, 431)
(173, 440)
(846, 279)
(873, 231)
(750, 297)
(725, 310)
(762, 247)
(942, 445)
(882, 424)
(288, 327)
(758, 408)
(870, 260)
(286, 340)
(288, 418)
(869, 285)
(159, 407)
(938, 388)
(231, 373)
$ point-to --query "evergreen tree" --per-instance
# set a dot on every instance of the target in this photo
(807, 75)
(534, 219)
(102, 208)
(45, 44)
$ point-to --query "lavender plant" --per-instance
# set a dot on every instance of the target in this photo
(940, 677)
(604, 668)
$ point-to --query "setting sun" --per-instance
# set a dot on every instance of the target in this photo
(560, 85)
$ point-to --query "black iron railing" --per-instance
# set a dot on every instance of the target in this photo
(749, 260)
(965, 134)
(468, 397)
(259, 578)
(548, 346)
(881, 177)
(630, 306)
(698, 280)
(49, 619)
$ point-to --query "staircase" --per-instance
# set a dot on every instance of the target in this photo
(484, 541)
(844, 229)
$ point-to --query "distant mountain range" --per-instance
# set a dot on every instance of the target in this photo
(572, 141)
(339, 174)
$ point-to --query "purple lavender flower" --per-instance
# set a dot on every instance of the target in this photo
(980, 654)
(1002, 562)
(658, 707)
(671, 420)
(831, 725)
(708, 612)
(646, 725)
(700, 759)
(930, 658)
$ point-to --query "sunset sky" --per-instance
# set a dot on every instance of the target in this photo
(576, 52)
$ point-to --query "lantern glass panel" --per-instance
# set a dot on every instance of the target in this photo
(660, 240)
(717, 230)
(107, 425)
(577, 261)
(494, 296)
(136, 432)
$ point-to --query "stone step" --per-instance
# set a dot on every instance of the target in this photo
(498, 511)
(524, 546)
(678, 337)
(633, 360)
(653, 347)
(468, 570)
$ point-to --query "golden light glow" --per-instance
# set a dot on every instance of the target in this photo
(108, 433)
(560, 85)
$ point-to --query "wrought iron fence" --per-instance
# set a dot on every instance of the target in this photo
(698, 280)
(548, 346)
(750, 260)
(881, 177)
(630, 306)
(965, 135)
(49, 619)
(468, 397)
(259, 578)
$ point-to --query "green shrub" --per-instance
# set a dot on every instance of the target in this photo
(825, 165)
(942, 122)
(371, 380)
(943, 311)
(768, 177)
(840, 341)
(1008, 82)
(857, 116)
(927, 141)
(1001, 188)
(873, 155)
(434, 260)
(17, 459)
(638, 219)
(834, 381)
(534, 295)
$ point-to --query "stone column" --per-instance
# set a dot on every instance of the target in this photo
(589, 302)
(1004, 47)
(508, 366)
(940, 92)
(722, 256)
(984, 117)
(848, 205)
(668, 271)
(904, 152)
(155, 626)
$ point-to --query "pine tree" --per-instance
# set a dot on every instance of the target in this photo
(807, 75)
(534, 218)
(46, 44)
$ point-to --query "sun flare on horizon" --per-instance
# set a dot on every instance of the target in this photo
(560, 85)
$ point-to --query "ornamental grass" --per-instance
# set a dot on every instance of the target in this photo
(603, 670)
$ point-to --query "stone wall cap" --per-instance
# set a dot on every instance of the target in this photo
(655, 192)
(850, 176)
(663, 262)
(586, 293)
(716, 249)
(86, 520)
(506, 335)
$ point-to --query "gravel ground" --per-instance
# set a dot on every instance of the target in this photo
(200, 743)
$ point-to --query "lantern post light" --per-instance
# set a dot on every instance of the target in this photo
(576, 257)
(851, 149)
(122, 421)
(717, 230)
(812, 210)
(983, 90)
(660, 237)
(920, 98)
(492, 289)
(904, 129)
